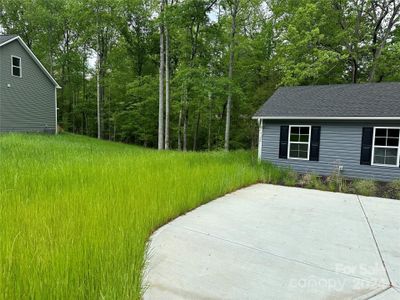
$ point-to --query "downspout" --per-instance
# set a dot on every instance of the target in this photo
(260, 134)
(56, 109)
(0, 89)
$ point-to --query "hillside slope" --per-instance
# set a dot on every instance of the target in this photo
(75, 213)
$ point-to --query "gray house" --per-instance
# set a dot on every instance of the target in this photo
(354, 128)
(28, 93)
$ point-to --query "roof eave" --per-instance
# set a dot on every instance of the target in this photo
(9, 41)
(33, 57)
(323, 118)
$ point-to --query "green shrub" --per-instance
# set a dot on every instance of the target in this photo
(337, 183)
(312, 181)
(393, 189)
(346, 187)
(290, 178)
(331, 183)
(365, 187)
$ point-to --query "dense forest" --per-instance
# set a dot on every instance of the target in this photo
(189, 74)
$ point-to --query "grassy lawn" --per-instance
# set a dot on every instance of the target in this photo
(75, 213)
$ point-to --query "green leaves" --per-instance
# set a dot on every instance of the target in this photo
(285, 42)
(304, 52)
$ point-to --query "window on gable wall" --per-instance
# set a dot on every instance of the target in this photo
(16, 66)
(386, 146)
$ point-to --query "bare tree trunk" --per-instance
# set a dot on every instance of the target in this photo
(185, 118)
(109, 114)
(115, 128)
(354, 70)
(161, 84)
(234, 10)
(101, 95)
(74, 99)
(84, 118)
(196, 130)
(98, 79)
(185, 126)
(209, 121)
(179, 129)
(98, 98)
(51, 61)
(167, 99)
(101, 59)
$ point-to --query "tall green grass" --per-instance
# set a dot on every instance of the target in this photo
(75, 213)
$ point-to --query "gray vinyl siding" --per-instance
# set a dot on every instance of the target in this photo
(340, 144)
(28, 105)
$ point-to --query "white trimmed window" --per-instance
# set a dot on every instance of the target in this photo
(16, 69)
(386, 146)
(299, 142)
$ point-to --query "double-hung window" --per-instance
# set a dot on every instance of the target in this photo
(386, 146)
(299, 142)
(16, 66)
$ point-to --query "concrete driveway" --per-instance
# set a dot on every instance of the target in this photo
(274, 242)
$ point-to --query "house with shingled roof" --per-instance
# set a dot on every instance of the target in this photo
(28, 92)
(351, 129)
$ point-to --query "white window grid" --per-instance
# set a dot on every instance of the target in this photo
(308, 143)
(385, 147)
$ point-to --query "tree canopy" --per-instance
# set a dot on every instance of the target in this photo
(223, 58)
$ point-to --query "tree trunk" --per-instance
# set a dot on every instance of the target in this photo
(234, 9)
(179, 129)
(380, 38)
(209, 121)
(354, 70)
(167, 100)
(115, 129)
(98, 98)
(84, 119)
(161, 84)
(196, 130)
(109, 114)
(185, 117)
(51, 61)
(98, 78)
(74, 99)
(101, 73)
(102, 94)
(185, 126)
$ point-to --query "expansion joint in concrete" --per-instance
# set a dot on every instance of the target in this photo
(376, 243)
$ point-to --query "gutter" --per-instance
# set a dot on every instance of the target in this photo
(327, 118)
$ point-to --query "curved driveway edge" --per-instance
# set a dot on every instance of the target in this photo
(275, 242)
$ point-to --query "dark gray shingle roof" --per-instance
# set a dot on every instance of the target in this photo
(5, 38)
(375, 100)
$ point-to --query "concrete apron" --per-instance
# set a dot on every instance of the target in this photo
(274, 242)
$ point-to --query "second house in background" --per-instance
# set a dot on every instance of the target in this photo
(351, 128)
(28, 93)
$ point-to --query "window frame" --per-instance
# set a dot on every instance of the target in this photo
(308, 143)
(384, 147)
(12, 66)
